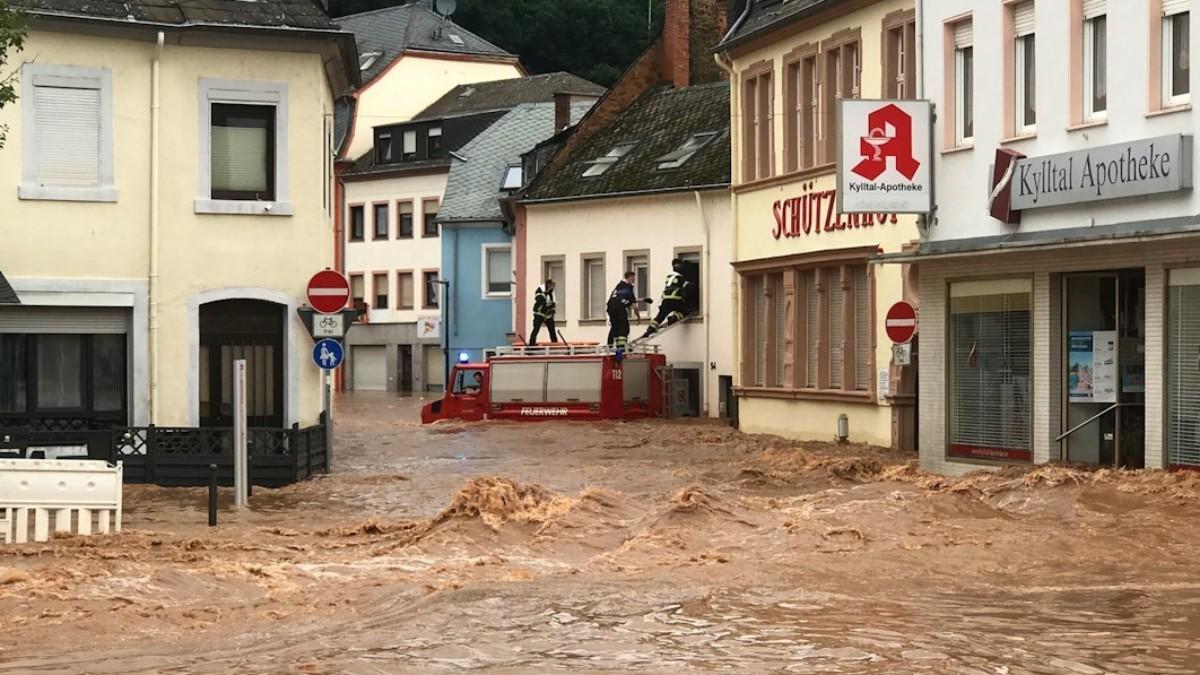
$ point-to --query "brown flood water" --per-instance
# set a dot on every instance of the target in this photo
(651, 547)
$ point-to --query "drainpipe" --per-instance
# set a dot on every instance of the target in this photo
(155, 95)
(920, 49)
(708, 317)
(726, 64)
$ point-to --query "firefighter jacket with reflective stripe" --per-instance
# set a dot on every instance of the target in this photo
(622, 296)
(543, 303)
(675, 286)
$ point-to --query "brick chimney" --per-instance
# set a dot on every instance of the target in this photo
(562, 111)
(675, 65)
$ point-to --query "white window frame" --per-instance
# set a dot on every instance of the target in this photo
(1089, 75)
(39, 74)
(250, 92)
(585, 311)
(1168, 39)
(960, 92)
(1020, 86)
(483, 279)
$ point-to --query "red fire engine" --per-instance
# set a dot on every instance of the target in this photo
(573, 382)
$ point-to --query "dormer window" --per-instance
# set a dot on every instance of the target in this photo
(368, 59)
(435, 142)
(383, 149)
(410, 145)
(676, 159)
(512, 179)
(602, 164)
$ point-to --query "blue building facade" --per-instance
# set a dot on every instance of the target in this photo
(476, 315)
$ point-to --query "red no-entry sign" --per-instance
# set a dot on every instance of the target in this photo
(901, 322)
(328, 291)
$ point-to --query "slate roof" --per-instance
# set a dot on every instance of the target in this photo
(304, 14)
(414, 25)
(658, 122)
(473, 186)
(7, 295)
(505, 94)
(767, 15)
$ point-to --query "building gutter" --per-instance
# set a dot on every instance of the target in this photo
(155, 115)
(725, 63)
(634, 193)
(707, 292)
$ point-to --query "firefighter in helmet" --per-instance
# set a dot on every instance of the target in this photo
(543, 312)
(673, 309)
(623, 296)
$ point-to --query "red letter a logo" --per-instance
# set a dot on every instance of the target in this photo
(880, 145)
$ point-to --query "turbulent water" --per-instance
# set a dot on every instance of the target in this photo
(652, 547)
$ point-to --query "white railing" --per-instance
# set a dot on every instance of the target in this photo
(564, 349)
(81, 496)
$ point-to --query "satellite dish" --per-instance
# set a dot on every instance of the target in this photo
(445, 7)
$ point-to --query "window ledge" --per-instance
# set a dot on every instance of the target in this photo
(806, 394)
(497, 296)
(593, 322)
(244, 208)
(958, 148)
(1187, 107)
(1088, 125)
(1018, 138)
(57, 193)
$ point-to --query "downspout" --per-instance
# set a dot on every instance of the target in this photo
(707, 290)
(726, 65)
(155, 105)
(921, 49)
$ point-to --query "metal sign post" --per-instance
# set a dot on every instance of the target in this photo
(240, 454)
(328, 403)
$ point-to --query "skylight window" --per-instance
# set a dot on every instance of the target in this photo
(512, 178)
(368, 59)
(602, 164)
(676, 159)
(456, 39)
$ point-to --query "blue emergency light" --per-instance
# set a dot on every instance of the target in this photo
(463, 357)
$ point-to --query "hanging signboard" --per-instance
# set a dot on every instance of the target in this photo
(885, 162)
(429, 328)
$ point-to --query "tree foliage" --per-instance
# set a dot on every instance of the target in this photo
(595, 39)
(12, 38)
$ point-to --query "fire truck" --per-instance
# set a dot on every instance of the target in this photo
(571, 382)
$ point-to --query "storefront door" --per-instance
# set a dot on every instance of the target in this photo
(1104, 380)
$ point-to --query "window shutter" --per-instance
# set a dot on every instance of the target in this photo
(237, 159)
(1183, 369)
(67, 135)
(1023, 18)
(813, 320)
(1170, 7)
(964, 34)
(759, 298)
(781, 326)
(1094, 8)
(862, 329)
(837, 325)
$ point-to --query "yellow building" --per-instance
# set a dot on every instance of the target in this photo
(810, 333)
(168, 198)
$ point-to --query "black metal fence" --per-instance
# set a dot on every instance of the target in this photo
(180, 456)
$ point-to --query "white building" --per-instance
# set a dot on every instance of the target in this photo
(1061, 324)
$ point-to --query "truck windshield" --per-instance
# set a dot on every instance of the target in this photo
(468, 382)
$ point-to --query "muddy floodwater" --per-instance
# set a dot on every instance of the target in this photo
(649, 547)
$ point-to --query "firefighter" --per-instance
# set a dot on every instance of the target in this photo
(543, 312)
(620, 300)
(672, 309)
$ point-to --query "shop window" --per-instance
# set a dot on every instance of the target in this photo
(821, 327)
(83, 376)
(1183, 368)
(900, 55)
(990, 361)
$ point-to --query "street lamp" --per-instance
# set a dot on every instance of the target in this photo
(443, 303)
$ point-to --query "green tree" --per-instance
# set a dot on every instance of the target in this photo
(12, 38)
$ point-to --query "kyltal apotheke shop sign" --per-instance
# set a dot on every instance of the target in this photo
(1142, 167)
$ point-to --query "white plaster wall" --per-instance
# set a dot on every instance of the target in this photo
(963, 177)
(392, 255)
(661, 224)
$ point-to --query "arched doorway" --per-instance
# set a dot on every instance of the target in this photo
(242, 329)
